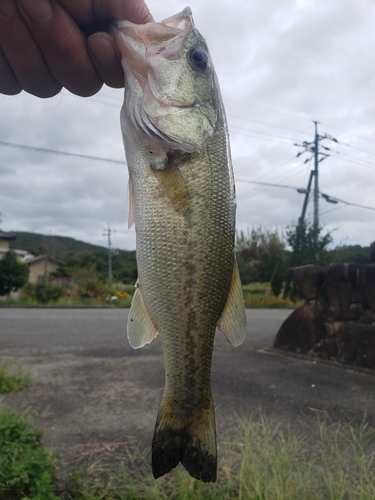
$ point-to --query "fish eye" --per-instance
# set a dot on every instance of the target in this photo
(198, 58)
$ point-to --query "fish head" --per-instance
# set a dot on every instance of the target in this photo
(169, 81)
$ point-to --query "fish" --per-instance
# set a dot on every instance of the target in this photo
(182, 201)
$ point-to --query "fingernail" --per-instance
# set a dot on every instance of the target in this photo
(102, 49)
(8, 7)
(39, 11)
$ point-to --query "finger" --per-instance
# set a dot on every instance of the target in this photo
(90, 11)
(23, 55)
(107, 59)
(8, 82)
(135, 11)
(81, 11)
(63, 46)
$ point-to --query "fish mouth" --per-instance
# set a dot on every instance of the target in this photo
(140, 43)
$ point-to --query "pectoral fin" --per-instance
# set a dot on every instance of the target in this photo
(232, 321)
(174, 188)
(141, 329)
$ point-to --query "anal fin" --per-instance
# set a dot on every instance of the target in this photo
(141, 329)
(232, 321)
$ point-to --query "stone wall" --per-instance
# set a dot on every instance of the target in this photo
(337, 319)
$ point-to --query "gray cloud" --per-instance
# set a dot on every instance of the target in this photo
(283, 63)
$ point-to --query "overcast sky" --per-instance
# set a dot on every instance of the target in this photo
(281, 64)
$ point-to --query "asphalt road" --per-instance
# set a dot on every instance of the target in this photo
(59, 329)
(95, 396)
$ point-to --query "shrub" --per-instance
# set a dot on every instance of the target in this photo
(28, 292)
(92, 290)
(49, 293)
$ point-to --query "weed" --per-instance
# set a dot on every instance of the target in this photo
(26, 469)
(12, 380)
(260, 461)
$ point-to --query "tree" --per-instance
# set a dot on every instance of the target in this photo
(13, 274)
(260, 255)
(308, 244)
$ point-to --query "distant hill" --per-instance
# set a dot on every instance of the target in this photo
(57, 246)
(84, 261)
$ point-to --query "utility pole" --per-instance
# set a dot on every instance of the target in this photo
(108, 232)
(306, 192)
(314, 147)
(316, 180)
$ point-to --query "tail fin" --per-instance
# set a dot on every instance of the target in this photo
(191, 442)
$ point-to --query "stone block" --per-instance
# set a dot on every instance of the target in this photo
(308, 280)
(327, 348)
(356, 344)
(358, 290)
(332, 327)
(369, 285)
(302, 329)
(340, 284)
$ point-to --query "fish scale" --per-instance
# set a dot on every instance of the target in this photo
(183, 202)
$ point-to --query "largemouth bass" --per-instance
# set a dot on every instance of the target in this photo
(182, 200)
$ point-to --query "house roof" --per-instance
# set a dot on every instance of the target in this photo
(4, 235)
(46, 257)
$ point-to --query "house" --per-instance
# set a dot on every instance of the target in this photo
(40, 267)
(5, 237)
(4, 241)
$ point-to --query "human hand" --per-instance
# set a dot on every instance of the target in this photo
(43, 46)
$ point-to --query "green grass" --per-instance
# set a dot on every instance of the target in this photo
(12, 379)
(259, 460)
(26, 469)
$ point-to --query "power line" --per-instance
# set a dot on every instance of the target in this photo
(65, 153)
(328, 198)
(300, 190)
(282, 176)
(262, 133)
(339, 200)
(358, 149)
(264, 123)
(348, 133)
(357, 160)
(269, 110)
